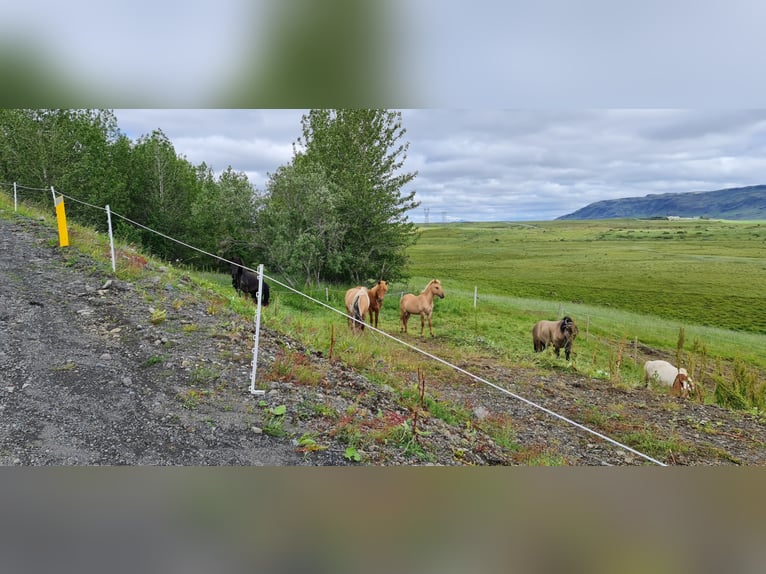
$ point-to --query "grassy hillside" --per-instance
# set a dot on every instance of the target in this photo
(631, 286)
(735, 203)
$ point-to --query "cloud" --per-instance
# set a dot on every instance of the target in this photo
(503, 164)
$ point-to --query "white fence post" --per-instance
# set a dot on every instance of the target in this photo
(475, 295)
(253, 390)
(15, 200)
(111, 237)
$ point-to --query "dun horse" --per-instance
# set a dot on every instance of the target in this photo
(245, 281)
(422, 305)
(357, 304)
(376, 300)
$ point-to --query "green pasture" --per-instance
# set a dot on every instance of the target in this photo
(697, 272)
(630, 285)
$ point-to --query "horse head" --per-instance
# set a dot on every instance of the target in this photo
(568, 327)
(381, 288)
(436, 288)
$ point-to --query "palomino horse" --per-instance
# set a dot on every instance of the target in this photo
(422, 305)
(357, 304)
(247, 281)
(376, 300)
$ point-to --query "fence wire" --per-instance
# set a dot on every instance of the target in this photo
(383, 333)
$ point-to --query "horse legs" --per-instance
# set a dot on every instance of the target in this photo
(404, 317)
(430, 326)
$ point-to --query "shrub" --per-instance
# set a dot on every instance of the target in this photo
(743, 391)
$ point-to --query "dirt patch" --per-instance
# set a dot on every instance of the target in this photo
(98, 371)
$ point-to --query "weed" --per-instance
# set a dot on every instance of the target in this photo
(500, 429)
(539, 456)
(307, 443)
(347, 430)
(743, 391)
(292, 366)
(352, 454)
(273, 421)
(153, 360)
(203, 376)
(67, 366)
(157, 316)
(680, 346)
(615, 361)
(278, 411)
(644, 441)
(214, 307)
(191, 398)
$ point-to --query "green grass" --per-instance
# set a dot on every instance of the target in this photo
(697, 272)
(500, 324)
(619, 279)
(624, 282)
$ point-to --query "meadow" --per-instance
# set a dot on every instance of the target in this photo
(694, 271)
(635, 287)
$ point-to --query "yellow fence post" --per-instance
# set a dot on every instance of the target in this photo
(61, 218)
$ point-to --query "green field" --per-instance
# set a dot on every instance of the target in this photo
(632, 286)
(629, 284)
(697, 272)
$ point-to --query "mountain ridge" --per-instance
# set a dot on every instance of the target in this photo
(729, 203)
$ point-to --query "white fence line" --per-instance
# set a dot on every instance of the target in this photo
(261, 276)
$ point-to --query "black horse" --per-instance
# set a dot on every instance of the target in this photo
(245, 281)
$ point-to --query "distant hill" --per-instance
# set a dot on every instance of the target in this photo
(733, 203)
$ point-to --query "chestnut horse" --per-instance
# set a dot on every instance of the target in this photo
(422, 305)
(357, 304)
(376, 300)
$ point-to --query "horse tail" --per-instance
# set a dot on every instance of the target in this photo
(265, 294)
(357, 313)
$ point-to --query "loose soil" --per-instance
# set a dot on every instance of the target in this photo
(91, 373)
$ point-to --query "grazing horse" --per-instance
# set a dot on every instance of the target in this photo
(557, 333)
(245, 281)
(422, 305)
(376, 300)
(357, 304)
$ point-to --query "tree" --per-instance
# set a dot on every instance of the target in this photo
(298, 227)
(162, 188)
(67, 149)
(83, 154)
(354, 160)
(223, 215)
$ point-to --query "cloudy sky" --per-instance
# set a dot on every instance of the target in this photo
(601, 99)
(503, 165)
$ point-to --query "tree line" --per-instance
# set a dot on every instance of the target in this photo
(335, 213)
